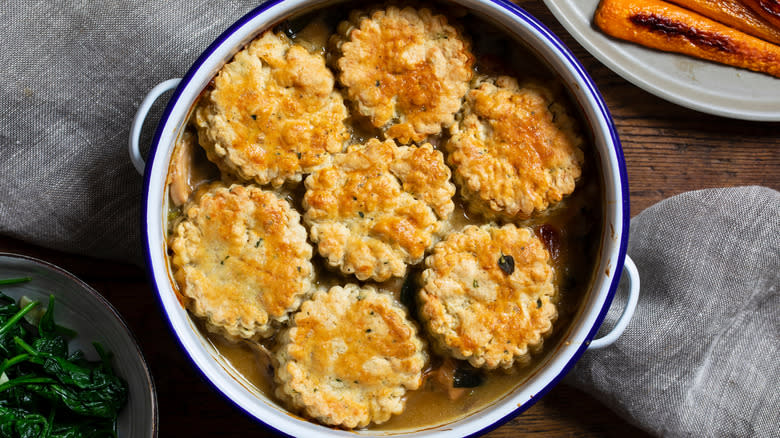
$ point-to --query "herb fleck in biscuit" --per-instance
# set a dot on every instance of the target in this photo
(241, 260)
(349, 357)
(488, 295)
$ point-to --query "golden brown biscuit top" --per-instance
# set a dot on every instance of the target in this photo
(407, 70)
(349, 357)
(515, 147)
(273, 112)
(241, 255)
(358, 337)
(385, 195)
(424, 175)
(359, 342)
(488, 291)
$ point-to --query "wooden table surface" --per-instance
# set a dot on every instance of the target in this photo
(668, 150)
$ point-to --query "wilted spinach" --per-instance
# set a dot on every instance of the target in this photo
(47, 391)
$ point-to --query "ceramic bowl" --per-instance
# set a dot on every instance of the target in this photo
(586, 98)
(81, 308)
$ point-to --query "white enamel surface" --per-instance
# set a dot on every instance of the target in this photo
(138, 121)
(238, 389)
(632, 274)
(701, 85)
(82, 309)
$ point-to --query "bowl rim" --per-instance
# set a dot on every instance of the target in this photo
(543, 33)
(113, 311)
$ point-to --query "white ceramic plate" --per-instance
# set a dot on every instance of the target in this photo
(81, 308)
(701, 85)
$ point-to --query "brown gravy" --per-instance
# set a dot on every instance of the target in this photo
(572, 230)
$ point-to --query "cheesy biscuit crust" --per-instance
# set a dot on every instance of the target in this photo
(488, 295)
(406, 69)
(272, 114)
(349, 357)
(515, 151)
(378, 207)
(241, 260)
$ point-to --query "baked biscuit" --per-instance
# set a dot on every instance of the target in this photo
(378, 207)
(349, 357)
(515, 150)
(272, 114)
(488, 295)
(241, 260)
(405, 69)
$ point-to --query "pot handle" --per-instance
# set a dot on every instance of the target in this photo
(629, 268)
(138, 121)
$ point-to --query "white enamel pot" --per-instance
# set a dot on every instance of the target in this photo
(583, 329)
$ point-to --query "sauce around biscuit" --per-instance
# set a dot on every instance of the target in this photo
(443, 237)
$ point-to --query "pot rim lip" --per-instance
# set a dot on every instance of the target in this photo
(602, 112)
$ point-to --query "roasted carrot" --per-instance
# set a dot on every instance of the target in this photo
(735, 14)
(667, 27)
(768, 9)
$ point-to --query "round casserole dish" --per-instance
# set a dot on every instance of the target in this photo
(579, 334)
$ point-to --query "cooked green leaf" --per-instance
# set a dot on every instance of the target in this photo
(467, 377)
(10, 281)
(47, 391)
(507, 264)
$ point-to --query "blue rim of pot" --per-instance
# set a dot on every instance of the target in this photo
(543, 32)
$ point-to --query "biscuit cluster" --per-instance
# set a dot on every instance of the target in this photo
(374, 130)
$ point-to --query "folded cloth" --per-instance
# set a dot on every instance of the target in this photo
(701, 356)
(73, 75)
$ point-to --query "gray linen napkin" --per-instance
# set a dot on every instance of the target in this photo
(73, 75)
(700, 357)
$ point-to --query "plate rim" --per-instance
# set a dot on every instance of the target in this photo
(110, 307)
(643, 81)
